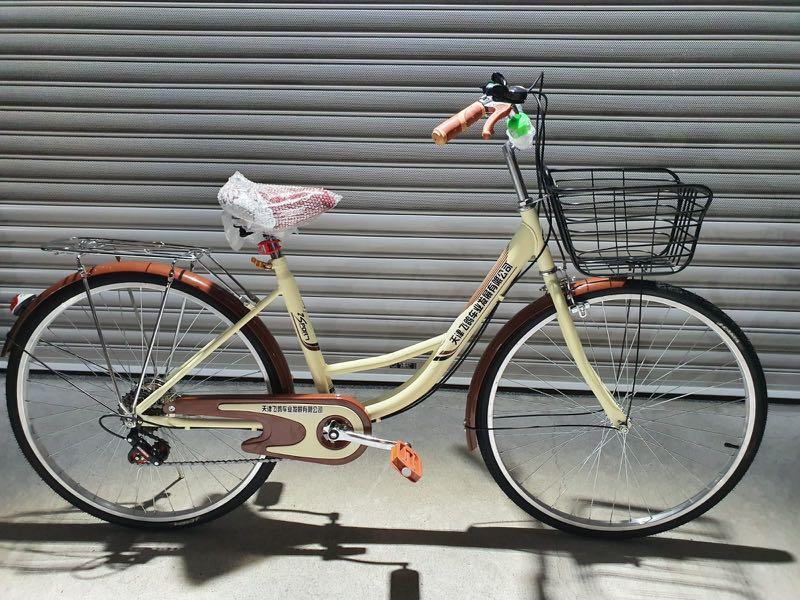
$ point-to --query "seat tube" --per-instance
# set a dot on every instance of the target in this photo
(303, 328)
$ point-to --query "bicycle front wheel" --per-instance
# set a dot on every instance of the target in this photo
(64, 401)
(683, 371)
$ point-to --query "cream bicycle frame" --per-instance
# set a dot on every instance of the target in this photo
(442, 350)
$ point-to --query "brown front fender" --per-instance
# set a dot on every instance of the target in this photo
(198, 282)
(543, 304)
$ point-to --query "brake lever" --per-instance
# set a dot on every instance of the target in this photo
(501, 111)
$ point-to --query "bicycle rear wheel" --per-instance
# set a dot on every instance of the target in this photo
(682, 369)
(59, 388)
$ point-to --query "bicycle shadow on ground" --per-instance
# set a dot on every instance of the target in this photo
(253, 533)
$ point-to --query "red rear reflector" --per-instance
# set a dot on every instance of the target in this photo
(19, 302)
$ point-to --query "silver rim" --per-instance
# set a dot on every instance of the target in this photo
(692, 407)
(63, 387)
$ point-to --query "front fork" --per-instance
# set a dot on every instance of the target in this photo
(614, 413)
(530, 216)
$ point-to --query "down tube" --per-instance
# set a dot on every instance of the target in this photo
(526, 243)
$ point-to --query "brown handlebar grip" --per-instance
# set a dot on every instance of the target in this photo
(501, 111)
(459, 123)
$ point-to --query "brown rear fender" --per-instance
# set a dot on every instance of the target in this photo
(539, 306)
(198, 282)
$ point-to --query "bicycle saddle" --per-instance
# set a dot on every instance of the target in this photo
(499, 90)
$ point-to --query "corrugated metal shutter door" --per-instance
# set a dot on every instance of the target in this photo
(123, 119)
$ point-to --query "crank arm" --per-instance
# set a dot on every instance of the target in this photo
(403, 458)
(345, 435)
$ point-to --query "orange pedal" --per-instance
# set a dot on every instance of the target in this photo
(406, 461)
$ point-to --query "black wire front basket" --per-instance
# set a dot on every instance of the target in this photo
(627, 221)
(621, 222)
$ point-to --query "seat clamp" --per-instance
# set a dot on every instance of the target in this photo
(270, 246)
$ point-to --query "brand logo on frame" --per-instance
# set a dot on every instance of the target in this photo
(301, 325)
(478, 306)
(291, 408)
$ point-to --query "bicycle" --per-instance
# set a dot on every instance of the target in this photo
(611, 406)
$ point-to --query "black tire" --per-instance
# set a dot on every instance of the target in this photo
(656, 289)
(16, 353)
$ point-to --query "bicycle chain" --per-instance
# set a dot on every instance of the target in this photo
(221, 461)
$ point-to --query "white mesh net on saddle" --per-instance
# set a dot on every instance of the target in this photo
(263, 208)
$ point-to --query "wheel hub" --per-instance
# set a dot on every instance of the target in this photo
(148, 387)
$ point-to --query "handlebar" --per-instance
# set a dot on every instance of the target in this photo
(497, 103)
(460, 122)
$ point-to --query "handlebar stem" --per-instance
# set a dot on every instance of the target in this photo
(516, 176)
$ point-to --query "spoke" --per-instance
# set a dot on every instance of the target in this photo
(554, 363)
(182, 457)
(82, 391)
(80, 332)
(653, 400)
(668, 424)
(664, 352)
(608, 337)
(165, 491)
(188, 329)
(655, 337)
(153, 339)
(589, 338)
(104, 478)
(175, 337)
(551, 451)
(122, 333)
(38, 402)
(139, 318)
(627, 479)
(535, 441)
(86, 439)
(238, 451)
(688, 441)
(202, 457)
(100, 335)
(571, 400)
(619, 472)
(99, 456)
(571, 473)
(84, 360)
(227, 365)
(639, 484)
(683, 364)
(674, 456)
(597, 470)
(62, 430)
(699, 411)
(622, 365)
(66, 412)
(535, 391)
(31, 382)
(569, 358)
(202, 342)
(667, 473)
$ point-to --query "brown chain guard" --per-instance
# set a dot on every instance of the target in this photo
(295, 432)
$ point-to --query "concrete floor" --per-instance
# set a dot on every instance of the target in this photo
(360, 531)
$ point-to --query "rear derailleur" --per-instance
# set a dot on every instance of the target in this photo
(144, 452)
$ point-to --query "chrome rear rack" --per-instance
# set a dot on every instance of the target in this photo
(117, 247)
(80, 246)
